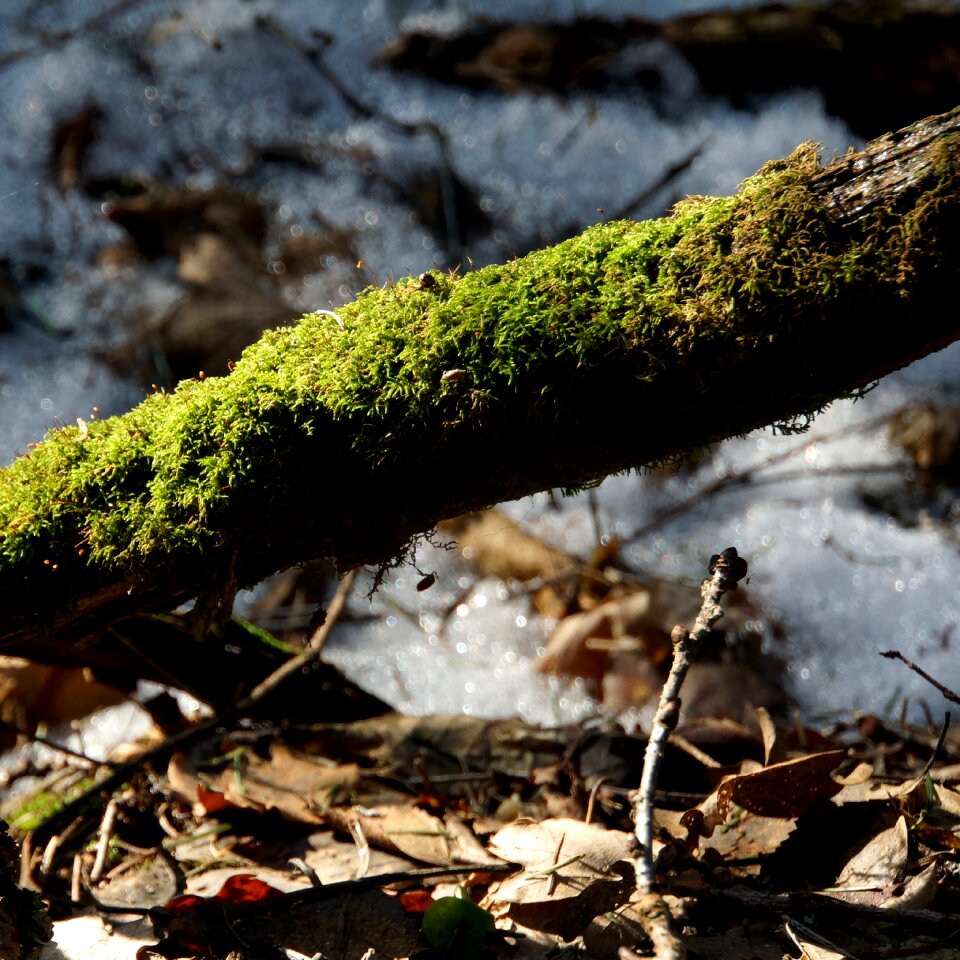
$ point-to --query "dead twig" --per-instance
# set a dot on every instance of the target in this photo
(309, 654)
(725, 570)
(671, 173)
(820, 908)
(928, 766)
(326, 891)
(50, 40)
(38, 738)
(103, 840)
(946, 691)
(803, 936)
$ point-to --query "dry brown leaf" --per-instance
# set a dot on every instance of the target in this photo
(918, 892)
(399, 829)
(312, 252)
(444, 743)
(814, 946)
(161, 219)
(148, 882)
(867, 791)
(573, 871)
(752, 836)
(930, 434)
(786, 789)
(871, 874)
(946, 773)
(34, 693)
(334, 858)
(948, 799)
(498, 547)
(861, 773)
(297, 786)
(231, 301)
(518, 55)
(772, 746)
(539, 847)
(465, 846)
(874, 876)
(636, 620)
(938, 837)
(72, 139)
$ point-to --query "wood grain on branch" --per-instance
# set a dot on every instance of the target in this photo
(346, 435)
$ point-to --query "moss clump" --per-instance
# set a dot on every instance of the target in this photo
(43, 805)
(313, 412)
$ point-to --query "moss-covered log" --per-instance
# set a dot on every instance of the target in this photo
(345, 435)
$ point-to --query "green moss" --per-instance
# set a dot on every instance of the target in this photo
(712, 283)
(41, 806)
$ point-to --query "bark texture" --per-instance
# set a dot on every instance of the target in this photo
(346, 435)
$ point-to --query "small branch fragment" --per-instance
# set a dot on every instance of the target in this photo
(103, 839)
(946, 691)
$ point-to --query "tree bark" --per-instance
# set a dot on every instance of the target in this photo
(348, 434)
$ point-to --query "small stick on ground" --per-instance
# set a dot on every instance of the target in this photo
(103, 839)
(309, 653)
(946, 691)
(725, 570)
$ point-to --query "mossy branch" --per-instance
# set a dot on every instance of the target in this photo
(346, 435)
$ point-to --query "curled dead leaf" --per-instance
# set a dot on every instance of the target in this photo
(786, 789)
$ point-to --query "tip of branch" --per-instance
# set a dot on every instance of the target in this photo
(732, 566)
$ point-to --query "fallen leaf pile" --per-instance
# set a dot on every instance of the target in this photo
(457, 836)
(337, 838)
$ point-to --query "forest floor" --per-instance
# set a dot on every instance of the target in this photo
(269, 834)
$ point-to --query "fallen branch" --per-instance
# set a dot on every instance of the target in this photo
(628, 345)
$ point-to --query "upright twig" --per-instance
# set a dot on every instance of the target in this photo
(104, 837)
(725, 570)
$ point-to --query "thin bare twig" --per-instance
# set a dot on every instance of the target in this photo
(725, 570)
(103, 839)
(671, 173)
(928, 766)
(748, 476)
(310, 653)
(38, 738)
(946, 691)
(76, 876)
(326, 891)
(51, 40)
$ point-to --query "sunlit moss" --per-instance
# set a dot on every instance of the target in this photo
(41, 806)
(401, 366)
